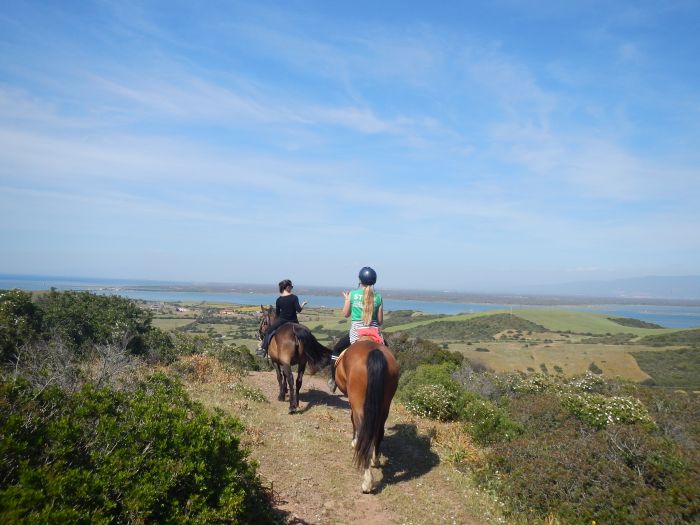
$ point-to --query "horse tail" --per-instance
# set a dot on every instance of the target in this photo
(372, 422)
(317, 354)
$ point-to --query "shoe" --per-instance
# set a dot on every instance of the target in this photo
(331, 385)
(260, 351)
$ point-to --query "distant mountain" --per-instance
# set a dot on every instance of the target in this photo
(652, 287)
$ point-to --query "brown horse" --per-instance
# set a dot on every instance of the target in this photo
(292, 344)
(368, 374)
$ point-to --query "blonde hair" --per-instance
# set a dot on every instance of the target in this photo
(367, 305)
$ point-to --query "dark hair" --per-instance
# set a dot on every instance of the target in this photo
(284, 283)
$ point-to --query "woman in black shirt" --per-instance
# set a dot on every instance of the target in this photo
(287, 306)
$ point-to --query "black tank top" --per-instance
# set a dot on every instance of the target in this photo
(287, 307)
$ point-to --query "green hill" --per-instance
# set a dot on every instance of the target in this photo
(559, 320)
(677, 337)
(478, 328)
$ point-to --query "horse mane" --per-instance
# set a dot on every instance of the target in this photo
(317, 354)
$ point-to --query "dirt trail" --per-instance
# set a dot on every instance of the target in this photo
(307, 460)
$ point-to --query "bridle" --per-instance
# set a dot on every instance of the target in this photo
(265, 315)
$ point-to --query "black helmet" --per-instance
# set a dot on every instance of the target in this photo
(368, 276)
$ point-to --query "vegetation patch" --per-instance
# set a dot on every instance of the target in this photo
(411, 352)
(680, 337)
(609, 339)
(637, 323)
(481, 328)
(672, 368)
(100, 456)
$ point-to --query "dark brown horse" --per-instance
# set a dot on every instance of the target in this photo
(292, 344)
(368, 374)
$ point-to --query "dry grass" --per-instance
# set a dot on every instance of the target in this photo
(307, 461)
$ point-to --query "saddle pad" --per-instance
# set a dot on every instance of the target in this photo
(371, 333)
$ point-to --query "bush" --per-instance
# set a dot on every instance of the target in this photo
(430, 391)
(626, 477)
(600, 411)
(488, 423)
(83, 318)
(411, 353)
(20, 323)
(100, 456)
(434, 402)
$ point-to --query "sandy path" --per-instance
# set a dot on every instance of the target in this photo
(307, 460)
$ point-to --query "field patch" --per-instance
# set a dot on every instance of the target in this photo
(582, 322)
(479, 328)
(672, 368)
(555, 358)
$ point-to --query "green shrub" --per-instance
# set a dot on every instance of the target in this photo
(411, 353)
(159, 346)
(237, 358)
(431, 391)
(101, 456)
(599, 411)
(19, 323)
(83, 318)
(434, 402)
(626, 477)
(488, 423)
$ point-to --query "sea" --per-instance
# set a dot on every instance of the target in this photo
(668, 316)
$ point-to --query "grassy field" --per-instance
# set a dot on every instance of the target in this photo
(583, 322)
(558, 358)
(569, 343)
(170, 323)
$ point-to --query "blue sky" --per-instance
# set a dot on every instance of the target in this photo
(462, 146)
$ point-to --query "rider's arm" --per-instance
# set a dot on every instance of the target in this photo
(346, 304)
(380, 314)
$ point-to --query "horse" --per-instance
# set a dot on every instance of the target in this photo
(292, 344)
(367, 373)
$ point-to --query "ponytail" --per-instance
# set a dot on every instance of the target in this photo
(367, 305)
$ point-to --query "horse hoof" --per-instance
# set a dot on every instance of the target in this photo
(367, 482)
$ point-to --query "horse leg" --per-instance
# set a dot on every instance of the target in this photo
(367, 481)
(289, 377)
(377, 442)
(353, 443)
(300, 376)
(280, 380)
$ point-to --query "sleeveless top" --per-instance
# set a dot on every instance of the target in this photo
(356, 313)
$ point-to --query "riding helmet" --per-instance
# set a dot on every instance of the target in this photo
(368, 276)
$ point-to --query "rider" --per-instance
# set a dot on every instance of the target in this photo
(366, 311)
(286, 307)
